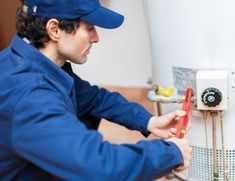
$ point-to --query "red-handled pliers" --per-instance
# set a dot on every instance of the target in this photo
(183, 122)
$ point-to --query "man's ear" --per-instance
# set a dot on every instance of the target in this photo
(52, 28)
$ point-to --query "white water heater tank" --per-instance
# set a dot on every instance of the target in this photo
(187, 36)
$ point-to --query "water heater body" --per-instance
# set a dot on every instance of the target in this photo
(187, 37)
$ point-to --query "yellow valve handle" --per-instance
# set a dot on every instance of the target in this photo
(166, 93)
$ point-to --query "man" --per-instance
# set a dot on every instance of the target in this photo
(46, 110)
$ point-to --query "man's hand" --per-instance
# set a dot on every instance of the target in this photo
(165, 126)
(185, 150)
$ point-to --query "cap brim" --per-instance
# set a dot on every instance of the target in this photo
(104, 18)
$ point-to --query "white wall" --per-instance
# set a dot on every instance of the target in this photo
(122, 57)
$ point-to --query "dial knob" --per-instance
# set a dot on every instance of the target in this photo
(211, 97)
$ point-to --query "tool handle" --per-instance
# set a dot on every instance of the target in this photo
(183, 121)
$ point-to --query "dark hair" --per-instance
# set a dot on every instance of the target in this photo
(34, 28)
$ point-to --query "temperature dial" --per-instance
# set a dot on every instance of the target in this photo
(211, 97)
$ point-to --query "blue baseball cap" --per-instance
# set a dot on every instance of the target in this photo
(90, 11)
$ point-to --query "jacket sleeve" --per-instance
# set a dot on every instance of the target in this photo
(101, 103)
(47, 134)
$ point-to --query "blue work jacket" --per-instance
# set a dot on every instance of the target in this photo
(43, 137)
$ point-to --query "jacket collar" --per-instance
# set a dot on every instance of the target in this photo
(36, 57)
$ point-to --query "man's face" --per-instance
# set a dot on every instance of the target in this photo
(76, 46)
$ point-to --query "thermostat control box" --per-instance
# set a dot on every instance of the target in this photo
(212, 89)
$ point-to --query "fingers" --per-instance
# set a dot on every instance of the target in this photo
(187, 157)
(186, 153)
(161, 126)
(179, 169)
(172, 132)
(175, 115)
(180, 113)
(188, 127)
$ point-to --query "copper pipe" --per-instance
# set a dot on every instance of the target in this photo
(215, 162)
(223, 148)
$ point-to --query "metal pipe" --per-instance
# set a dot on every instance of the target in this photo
(159, 98)
(223, 148)
(215, 162)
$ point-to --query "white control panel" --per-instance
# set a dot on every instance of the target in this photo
(212, 89)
